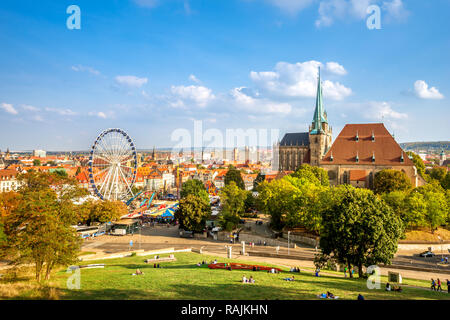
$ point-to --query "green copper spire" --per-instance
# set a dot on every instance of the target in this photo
(319, 113)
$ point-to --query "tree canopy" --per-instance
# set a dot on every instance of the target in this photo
(39, 228)
(193, 212)
(234, 175)
(389, 180)
(194, 187)
(313, 174)
(360, 230)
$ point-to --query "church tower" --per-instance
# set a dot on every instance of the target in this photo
(320, 133)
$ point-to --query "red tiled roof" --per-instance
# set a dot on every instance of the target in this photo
(358, 175)
(385, 149)
(8, 174)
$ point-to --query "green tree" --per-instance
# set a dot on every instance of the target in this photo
(194, 187)
(360, 230)
(39, 229)
(233, 205)
(437, 209)
(315, 175)
(259, 178)
(418, 162)
(192, 213)
(389, 180)
(410, 206)
(249, 203)
(445, 183)
(276, 199)
(234, 175)
(36, 162)
(437, 173)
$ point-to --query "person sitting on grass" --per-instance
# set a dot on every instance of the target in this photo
(139, 272)
(360, 297)
(330, 295)
(244, 279)
(198, 264)
(317, 272)
(251, 280)
(289, 279)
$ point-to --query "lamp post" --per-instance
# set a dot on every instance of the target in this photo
(288, 242)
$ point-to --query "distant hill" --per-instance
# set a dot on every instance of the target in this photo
(429, 146)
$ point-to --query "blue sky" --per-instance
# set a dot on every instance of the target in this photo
(151, 67)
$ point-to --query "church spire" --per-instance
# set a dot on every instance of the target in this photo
(319, 113)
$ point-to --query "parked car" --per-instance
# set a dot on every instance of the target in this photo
(427, 254)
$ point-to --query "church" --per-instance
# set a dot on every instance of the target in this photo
(360, 150)
(307, 147)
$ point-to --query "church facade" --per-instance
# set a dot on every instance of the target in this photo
(360, 150)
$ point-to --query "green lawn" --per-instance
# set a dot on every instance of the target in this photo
(184, 280)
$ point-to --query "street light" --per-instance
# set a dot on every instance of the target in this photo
(288, 241)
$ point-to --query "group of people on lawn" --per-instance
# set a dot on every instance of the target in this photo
(249, 280)
(437, 285)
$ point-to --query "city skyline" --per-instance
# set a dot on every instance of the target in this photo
(152, 67)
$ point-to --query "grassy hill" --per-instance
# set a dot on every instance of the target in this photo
(183, 279)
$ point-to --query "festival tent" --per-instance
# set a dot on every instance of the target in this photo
(168, 213)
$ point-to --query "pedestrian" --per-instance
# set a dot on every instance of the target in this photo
(433, 285)
(448, 286)
(439, 284)
(345, 272)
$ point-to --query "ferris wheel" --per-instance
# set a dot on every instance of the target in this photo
(113, 165)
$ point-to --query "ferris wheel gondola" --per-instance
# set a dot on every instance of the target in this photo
(113, 165)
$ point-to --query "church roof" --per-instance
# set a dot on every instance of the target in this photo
(295, 139)
(367, 144)
(319, 112)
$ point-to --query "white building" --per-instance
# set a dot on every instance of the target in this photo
(39, 153)
(8, 181)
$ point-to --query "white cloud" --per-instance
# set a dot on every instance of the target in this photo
(30, 108)
(343, 10)
(61, 112)
(101, 114)
(38, 118)
(8, 108)
(251, 104)
(376, 110)
(80, 68)
(395, 10)
(422, 91)
(131, 81)
(200, 95)
(193, 78)
(299, 80)
(335, 68)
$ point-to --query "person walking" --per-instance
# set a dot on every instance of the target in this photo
(433, 285)
(448, 286)
(439, 288)
(345, 272)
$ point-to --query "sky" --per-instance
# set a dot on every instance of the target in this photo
(153, 67)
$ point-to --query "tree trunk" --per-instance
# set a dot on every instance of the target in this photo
(38, 270)
(360, 271)
(350, 270)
